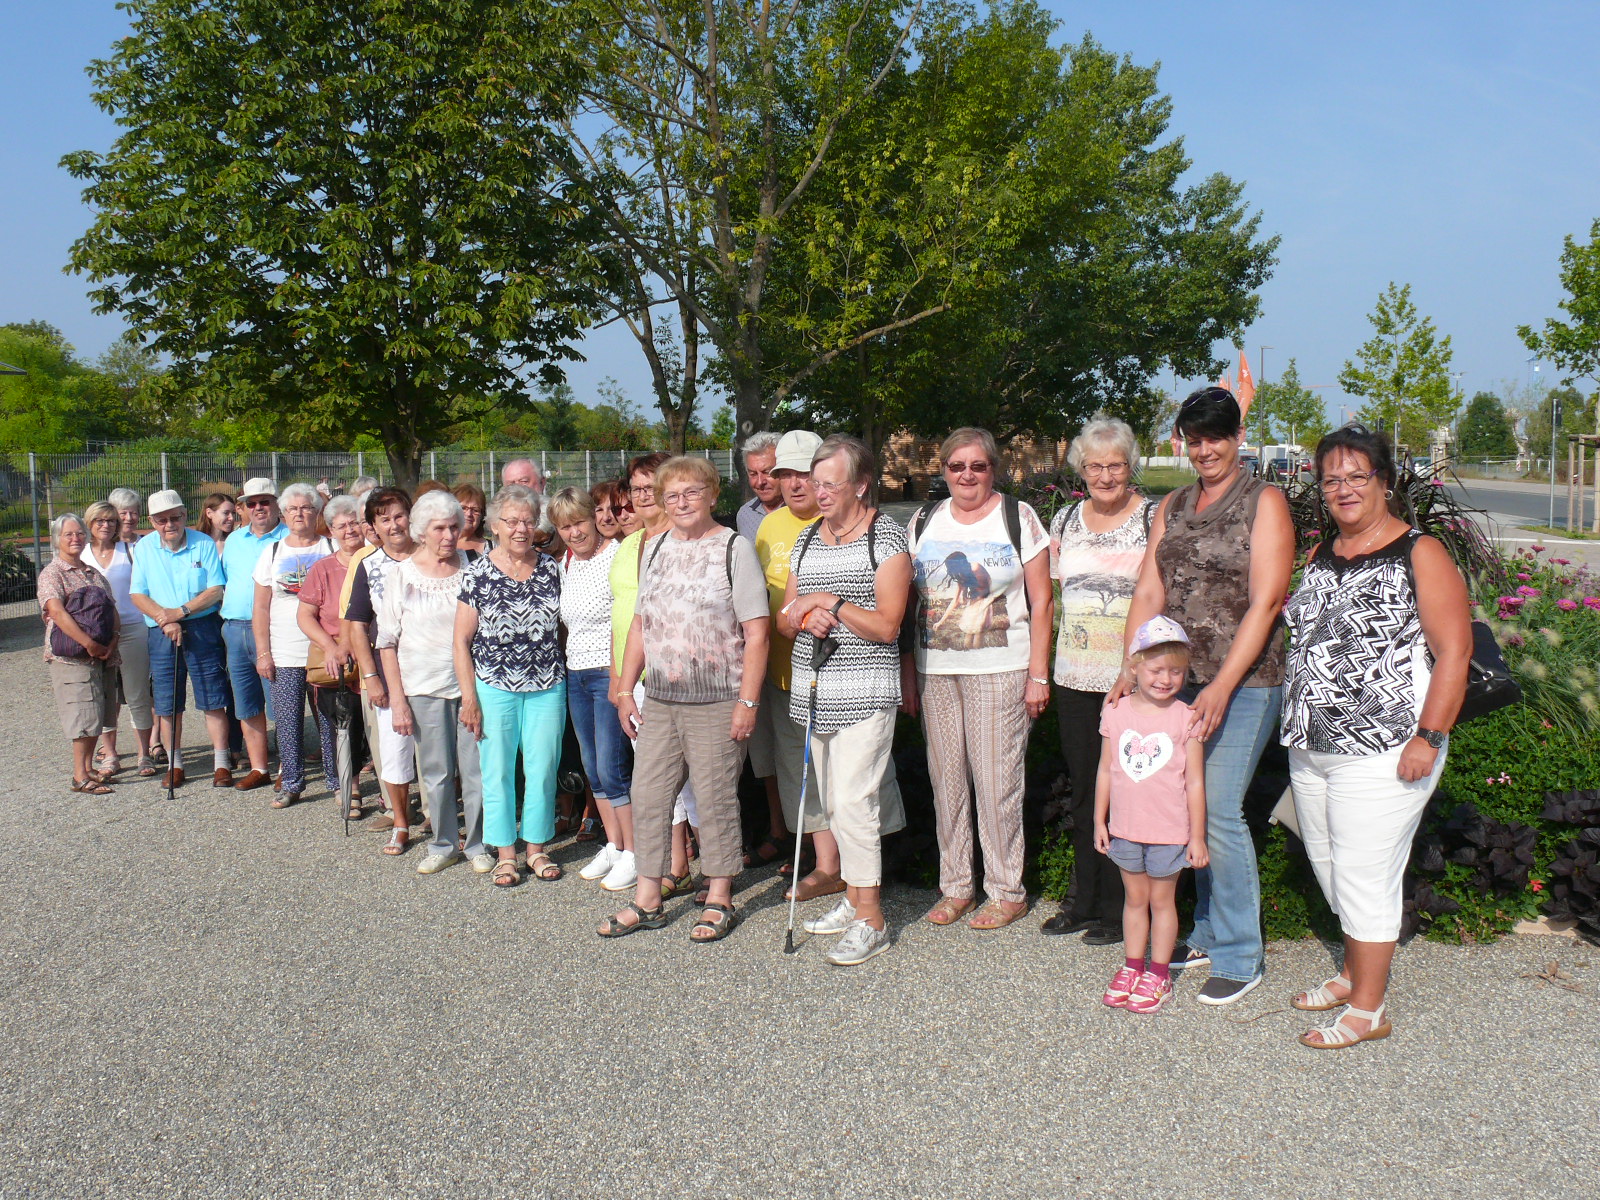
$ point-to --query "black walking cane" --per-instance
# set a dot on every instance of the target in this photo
(173, 752)
(821, 651)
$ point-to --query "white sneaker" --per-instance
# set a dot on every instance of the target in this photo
(597, 866)
(623, 874)
(483, 863)
(859, 943)
(434, 862)
(836, 920)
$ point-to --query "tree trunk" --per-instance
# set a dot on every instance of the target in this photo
(404, 452)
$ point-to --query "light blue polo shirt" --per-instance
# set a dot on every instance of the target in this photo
(173, 578)
(239, 554)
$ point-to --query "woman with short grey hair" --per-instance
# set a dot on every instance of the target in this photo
(82, 657)
(1096, 548)
(113, 558)
(416, 637)
(126, 501)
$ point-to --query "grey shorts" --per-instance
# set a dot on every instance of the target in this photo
(1140, 858)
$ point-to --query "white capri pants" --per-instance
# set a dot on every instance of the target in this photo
(397, 752)
(850, 763)
(1357, 819)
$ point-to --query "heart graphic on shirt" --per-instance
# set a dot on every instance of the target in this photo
(1143, 755)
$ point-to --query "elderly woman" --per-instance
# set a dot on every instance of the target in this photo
(281, 645)
(82, 657)
(113, 558)
(1218, 563)
(849, 575)
(318, 615)
(474, 508)
(417, 637)
(609, 501)
(1096, 547)
(219, 515)
(387, 512)
(586, 614)
(513, 683)
(699, 640)
(1380, 644)
(126, 501)
(982, 650)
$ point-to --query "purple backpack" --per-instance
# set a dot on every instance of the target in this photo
(96, 614)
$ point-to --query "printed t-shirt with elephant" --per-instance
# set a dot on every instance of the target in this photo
(974, 613)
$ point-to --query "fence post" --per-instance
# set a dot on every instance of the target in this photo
(163, 470)
(433, 464)
(274, 470)
(33, 495)
(361, 462)
(588, 480)
(491, 479)
(544, 467)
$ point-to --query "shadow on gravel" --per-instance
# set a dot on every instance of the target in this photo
(19, 633)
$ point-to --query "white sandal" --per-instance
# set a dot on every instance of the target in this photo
(1339, 1035)
(1320, 999)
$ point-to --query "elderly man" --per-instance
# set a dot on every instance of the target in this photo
(777, 746)
(244, 546)
(760, 453)
(526, 473)
(177, 584)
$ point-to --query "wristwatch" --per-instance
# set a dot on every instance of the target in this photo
(184, 609)
(837, 605)
(1434, 737)
(749, 703)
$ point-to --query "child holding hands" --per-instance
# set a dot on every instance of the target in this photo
(1150, 809)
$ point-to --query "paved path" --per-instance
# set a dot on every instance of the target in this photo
(212, 998)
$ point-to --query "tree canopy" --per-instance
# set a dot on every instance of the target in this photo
(1403, 370)
(1485, 430)
(336, 213)
(61, 404)
(1287, 411)
(1574, 345)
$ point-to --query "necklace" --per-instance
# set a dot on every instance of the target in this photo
(514, 570)
(1368, 542)
(838, 538)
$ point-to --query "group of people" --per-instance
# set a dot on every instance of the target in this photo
(677, 648)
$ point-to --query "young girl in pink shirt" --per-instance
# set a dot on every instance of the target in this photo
(1150, 809)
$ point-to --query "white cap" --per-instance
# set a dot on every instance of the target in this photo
(795, 451)
(259, 486)
(164, 501)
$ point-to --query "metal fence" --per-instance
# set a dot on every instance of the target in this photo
(34, 488)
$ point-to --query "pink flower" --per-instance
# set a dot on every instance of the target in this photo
(1562, 562)
(1516, 639)
(1437, 483)
(1489, 779)
(1529, 591)
(1536, 885)
(1077, 495)
(1524, 577)
(1538, 549)
(1049, 487)
(1592, 602)
(1567, 605)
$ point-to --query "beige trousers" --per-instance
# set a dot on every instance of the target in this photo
(672, 738)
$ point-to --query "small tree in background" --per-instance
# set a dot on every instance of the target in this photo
(1287, 411)
(1403, 370)
(1574, 346)
(1486, 429)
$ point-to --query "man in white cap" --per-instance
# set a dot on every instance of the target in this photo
(244, 546)
(177, 583)
(760, 454)
(777, 745)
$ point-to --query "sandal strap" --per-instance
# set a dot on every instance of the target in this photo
(1320, 994)
(1340, 1034)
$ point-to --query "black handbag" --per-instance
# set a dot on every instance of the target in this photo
(1490, 685)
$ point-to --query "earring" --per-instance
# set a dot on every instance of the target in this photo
(1389, 494)
(861, 495)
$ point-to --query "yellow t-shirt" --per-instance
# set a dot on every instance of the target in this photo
(775, 539)
(624, 593)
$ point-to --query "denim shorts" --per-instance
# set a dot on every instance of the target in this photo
(201, 661)
(1142, 858)
(249, 694)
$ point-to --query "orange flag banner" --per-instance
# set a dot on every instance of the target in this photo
(1177, 444)
(1247, 385)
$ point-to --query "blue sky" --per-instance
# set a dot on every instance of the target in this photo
(1450, 146)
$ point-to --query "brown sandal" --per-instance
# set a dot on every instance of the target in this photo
(949, 910)
(506, 874)
(814, 886)
(92, 786)
(997, 914)
(541, 866)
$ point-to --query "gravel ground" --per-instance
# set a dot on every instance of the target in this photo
(210, 997)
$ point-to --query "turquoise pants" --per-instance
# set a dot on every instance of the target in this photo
(532, 722)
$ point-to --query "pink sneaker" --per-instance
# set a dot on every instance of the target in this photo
(1121, 988)
(1149, 994)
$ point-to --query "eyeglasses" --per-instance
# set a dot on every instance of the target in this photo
(643, 491)
(1356, 479)
(833, 489)
(299, 510)
(518, 523)
(978, 467)
(467, 508)
(1104, 468)
(259, 502)
(687, 496)
(105, 521)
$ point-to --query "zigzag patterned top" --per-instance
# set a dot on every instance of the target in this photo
(1358, 664)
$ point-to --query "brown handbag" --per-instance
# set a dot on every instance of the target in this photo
(318, 674)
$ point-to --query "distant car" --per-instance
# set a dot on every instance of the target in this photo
(1251, 463)
(1280, 468)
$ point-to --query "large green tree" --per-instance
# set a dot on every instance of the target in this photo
(337, 213)
(1403, 370)
(1486, 429)
(1085, 268)
(1286, 411)
(60, 405)
(1574, 345)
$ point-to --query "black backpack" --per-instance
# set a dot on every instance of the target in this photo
(96, 614)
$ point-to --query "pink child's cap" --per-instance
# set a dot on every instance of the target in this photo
(1157, 631)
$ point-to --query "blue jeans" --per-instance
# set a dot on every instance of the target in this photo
(1227, 906)
(600, 738)
(249, 694)
(532, 722)
(199, 661)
